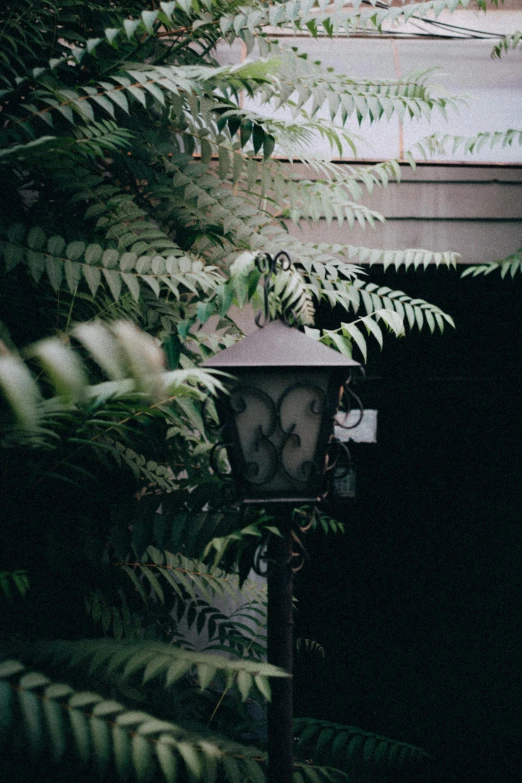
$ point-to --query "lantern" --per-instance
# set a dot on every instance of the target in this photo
(277, 419)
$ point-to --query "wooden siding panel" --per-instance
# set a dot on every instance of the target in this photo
(471, 200)
(475, 211)
(477, 241)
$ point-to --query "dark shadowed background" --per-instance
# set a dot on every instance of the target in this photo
(419, 605)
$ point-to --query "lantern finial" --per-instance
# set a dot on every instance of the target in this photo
(268, 265)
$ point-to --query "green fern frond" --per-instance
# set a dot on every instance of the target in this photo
(70, 263)
(132, 359)
(185, 524)
(145, 470)
(415, 312)
(199, 194)
(392, 308)
(351, 749)
(331, 18)
(189, 577)
(415, 258)
(126, 659)
(337, 261)
(309, 647)
(286, 178)
(246, 537)
(143, 85)
(14, 583)
(344, 97)
(213, 610)
(93, 140)
(290, 295)
(506, 266)
(509, 43)
(119, 621)
(347, 334)
(115, 211)
(284, 183)
(305, 772)
(440, 144)
(186, 576)
(316, 200)
(96, 139)
(108, 736)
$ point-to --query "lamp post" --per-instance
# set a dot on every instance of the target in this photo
(277, 423)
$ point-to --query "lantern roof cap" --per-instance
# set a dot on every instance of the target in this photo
(278, 345)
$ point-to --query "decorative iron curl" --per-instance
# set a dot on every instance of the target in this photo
(306, 525)
(251, 469)
(238, 405)
(337, 450)
(305, 518)
(317, 407)
(298, 553)
(268, 265)
(275, 443)
(317, 411)
(214, 462)
(261, 565)
(351, 402)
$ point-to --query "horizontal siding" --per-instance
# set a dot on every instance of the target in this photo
(476, 242)
(475, 211)
(449, 200)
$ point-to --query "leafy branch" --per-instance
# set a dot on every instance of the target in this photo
(14, 583)
(506, 266)
(350, 748)
(107, 735)
(131, 359)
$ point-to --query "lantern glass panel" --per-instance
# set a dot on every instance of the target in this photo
(277, 429)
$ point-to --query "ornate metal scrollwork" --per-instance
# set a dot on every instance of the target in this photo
(274, 440)
(270, 436)
(339, 458)
(298, 553)
(268, 265)
(341, 469)
(317, 407)
(214, 461)
(261, 435)
(261, 563)
(271, 439)
(350, 401)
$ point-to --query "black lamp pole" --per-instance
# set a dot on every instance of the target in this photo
(280, 642)
(277, 425)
